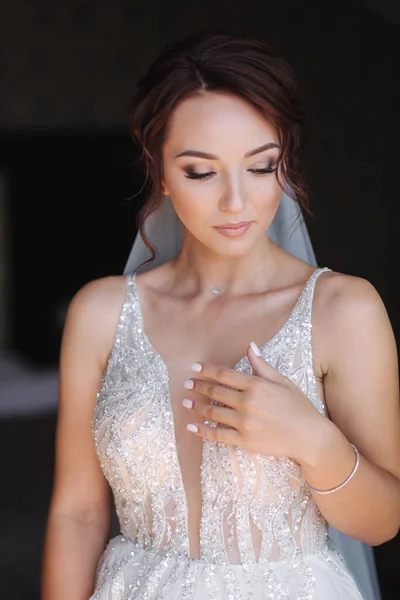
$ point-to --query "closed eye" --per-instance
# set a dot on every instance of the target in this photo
(192, 175)
(263, 171)
(208, 174)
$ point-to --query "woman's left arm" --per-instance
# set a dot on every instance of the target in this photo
(356, 353)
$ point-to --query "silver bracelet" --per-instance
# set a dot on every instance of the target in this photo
(339, 487)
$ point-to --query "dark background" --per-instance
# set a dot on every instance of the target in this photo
(67, 72)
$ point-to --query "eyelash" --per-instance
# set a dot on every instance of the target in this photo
(203, 176)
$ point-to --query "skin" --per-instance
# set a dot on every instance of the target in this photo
(236, 189)
(354, 352)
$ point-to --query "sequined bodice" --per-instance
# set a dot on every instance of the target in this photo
(254, 508)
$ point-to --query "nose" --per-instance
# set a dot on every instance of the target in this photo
(232, 200)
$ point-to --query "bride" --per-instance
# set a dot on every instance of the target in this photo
(234, 398)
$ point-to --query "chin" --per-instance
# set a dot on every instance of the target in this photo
(238, 249)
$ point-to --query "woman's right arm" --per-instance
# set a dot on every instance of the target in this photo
(79, 516)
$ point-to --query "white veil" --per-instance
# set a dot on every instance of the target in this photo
(289, 231)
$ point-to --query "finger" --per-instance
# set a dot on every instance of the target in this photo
(219, 414)
(223, 374)
(260, 366)
(214, 391)
(215, 434)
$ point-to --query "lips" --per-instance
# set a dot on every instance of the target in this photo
(233, 225)
(234, 229)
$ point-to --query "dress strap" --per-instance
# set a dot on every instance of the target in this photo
(130, 287)
(306, 336)
(310, 290)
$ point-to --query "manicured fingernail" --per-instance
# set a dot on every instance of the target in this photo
(196, 367)
(187, 403)
(192, 427)
(255, 349)
(188, 384)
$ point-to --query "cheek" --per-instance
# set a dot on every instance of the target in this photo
(265, 194)
(193, 204)
(193, 200)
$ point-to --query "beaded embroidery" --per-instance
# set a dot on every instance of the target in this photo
(248, 500)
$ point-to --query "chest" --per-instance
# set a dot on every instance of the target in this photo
(182, 332)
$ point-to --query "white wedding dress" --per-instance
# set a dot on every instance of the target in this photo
(261, 535)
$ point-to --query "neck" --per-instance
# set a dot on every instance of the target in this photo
(201, 271)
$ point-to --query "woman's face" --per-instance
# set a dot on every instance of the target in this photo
(217, 172)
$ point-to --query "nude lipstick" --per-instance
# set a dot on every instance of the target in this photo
(234, 229)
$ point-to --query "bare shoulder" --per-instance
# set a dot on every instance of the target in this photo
(99, 294)
(338, 295)
(345, 306)
(94, 312)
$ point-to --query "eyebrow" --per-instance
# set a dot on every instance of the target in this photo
(199, 154)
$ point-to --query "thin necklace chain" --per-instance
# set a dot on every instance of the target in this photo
(217, 290)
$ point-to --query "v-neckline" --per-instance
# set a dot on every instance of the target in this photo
(164, 368)
(262, 348)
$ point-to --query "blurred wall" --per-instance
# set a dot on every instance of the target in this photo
(4, 265)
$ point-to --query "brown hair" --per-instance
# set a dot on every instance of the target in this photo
(222, 62)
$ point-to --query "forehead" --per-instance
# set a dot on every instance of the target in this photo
(217, 122)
